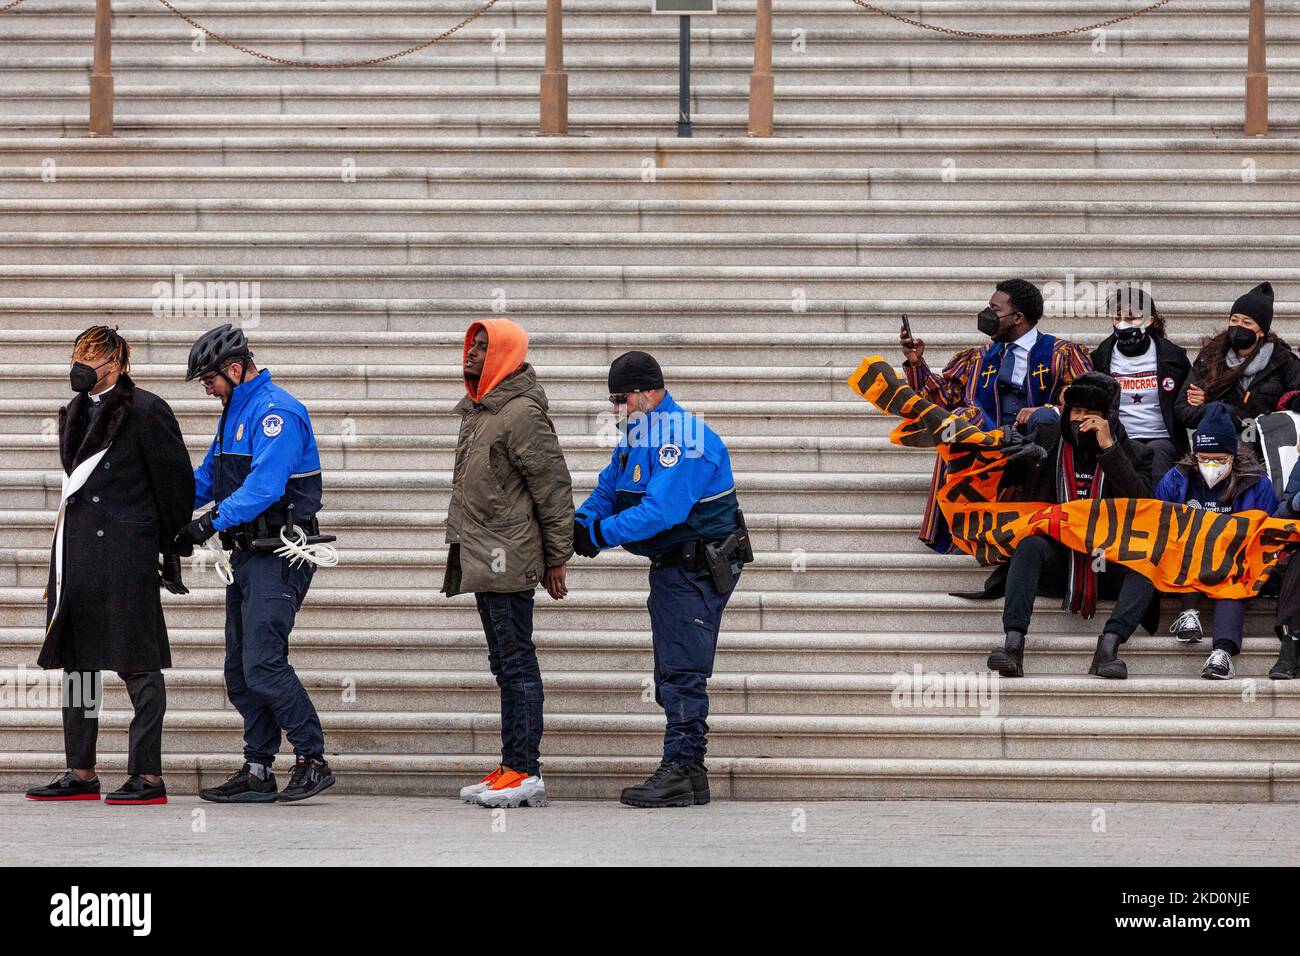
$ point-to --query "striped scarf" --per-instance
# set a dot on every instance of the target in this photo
(1081, 582)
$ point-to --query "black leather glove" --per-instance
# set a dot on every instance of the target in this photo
(197, 531)
(169, 575)
(1019, 448)
(582, 541)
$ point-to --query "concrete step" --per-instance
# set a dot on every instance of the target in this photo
(1064, 653)
(761, 778)
(798, 284)
(648, 65)
(330, 607)
(643, 107)
(382, 382)
(26, 148)
(136, 230)
(776, 571)
(911, 737)
(407, 491)
(1272, 248)
(1188, 186)
(773, 531)
(591, 692)
(745, 349)
(145, 36)
(586, 453)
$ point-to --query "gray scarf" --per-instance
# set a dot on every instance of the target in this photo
(1256, 365)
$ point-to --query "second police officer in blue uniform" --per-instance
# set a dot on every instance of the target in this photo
(261, 471)
(668, 494)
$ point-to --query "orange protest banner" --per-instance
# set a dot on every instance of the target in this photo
(1177, 547)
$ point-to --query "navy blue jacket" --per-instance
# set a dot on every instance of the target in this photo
(262, 458)
(669, 481)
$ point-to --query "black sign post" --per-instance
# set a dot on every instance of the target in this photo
(683, 9)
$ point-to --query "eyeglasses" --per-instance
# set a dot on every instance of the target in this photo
(207, 380)
(621, 399)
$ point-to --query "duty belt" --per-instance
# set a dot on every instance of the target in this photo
(719, 558)
(244, 537)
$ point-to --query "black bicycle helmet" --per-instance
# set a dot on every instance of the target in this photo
(213, 349)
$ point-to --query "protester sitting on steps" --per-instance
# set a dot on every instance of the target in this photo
(1223, 476)
(1084, 455)
(1246, 366)
(1150, 370)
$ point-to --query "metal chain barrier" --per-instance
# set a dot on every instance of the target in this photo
(307, 64)
(976, 35)
(9, 6)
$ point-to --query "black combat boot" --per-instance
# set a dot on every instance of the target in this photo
(1105, 660)
(669, 786)
(700, 782)
(1009, 660)
(1287, 666)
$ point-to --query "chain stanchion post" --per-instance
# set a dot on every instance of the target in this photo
(554, 118)
(101, 72)
(1256, 75)
(762, 85)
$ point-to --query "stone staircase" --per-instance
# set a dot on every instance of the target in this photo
(382, 210)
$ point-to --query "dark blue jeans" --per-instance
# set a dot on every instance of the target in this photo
(508, 625)
(260, 609)
(685, 617)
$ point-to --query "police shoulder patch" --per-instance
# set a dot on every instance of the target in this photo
(272, 425)
(669, 455)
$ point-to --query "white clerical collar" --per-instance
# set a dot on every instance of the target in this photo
(100, 397)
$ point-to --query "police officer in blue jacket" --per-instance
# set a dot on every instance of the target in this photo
(668, 494)
(262, 471)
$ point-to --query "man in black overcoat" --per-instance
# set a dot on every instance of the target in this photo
(128, 488)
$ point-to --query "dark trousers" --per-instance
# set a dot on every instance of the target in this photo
(1229, 621)
(1039, 566)
(81, 719)
(685, 617)
(260, 609)
(1164, 453)
(512, 656)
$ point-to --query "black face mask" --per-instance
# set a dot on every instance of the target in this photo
(83, 378)
(1085, 442)
(1130, 341)
(988, 322)
(1241, 338)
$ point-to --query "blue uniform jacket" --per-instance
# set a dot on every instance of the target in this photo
(262, 458)
(669, 481)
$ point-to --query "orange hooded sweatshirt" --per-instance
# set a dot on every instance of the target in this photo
(507, 350)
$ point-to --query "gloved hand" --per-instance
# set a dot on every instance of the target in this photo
(582, 540)
(1019, 448)
(169, 575)
(197, 531)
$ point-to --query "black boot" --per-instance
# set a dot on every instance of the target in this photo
(669, 786)
(1105, 660)
(1009, 659)
(700, 783)
(1287, 666)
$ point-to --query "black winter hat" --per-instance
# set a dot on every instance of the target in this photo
(1216, 432)
(635, 372)
(1257, 304)
(1094, 391)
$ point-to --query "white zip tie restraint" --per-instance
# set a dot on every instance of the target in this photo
(323, 555)
(220, 563)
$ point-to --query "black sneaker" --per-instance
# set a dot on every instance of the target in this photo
(670, 786)
(138, 792)
(309, 778)
(243, 786)
(67, 787)
(1218, 666)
